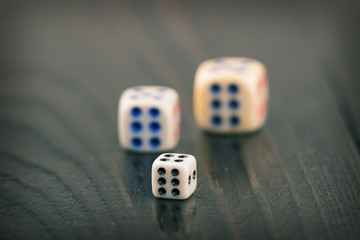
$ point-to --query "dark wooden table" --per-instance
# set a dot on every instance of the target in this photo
(63, 65)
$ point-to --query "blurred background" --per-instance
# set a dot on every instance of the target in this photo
(64, 64)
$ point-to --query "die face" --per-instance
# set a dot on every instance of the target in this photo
(149, 118)
(230, 95)
(223, 105)
(174, 176)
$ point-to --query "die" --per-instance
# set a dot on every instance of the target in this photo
(174, 176)
(231, 95)
(149, 118)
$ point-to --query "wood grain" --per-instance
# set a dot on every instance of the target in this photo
(63, 65)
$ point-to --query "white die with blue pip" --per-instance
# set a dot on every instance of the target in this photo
(149, 118)
(174, 176)
(231, 95)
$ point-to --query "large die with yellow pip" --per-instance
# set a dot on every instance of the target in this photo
(231, 95)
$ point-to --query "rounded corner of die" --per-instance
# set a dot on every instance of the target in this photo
(205, 62)
(155, 194)
(156, 162)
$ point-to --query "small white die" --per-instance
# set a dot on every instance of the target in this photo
(174, 176)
